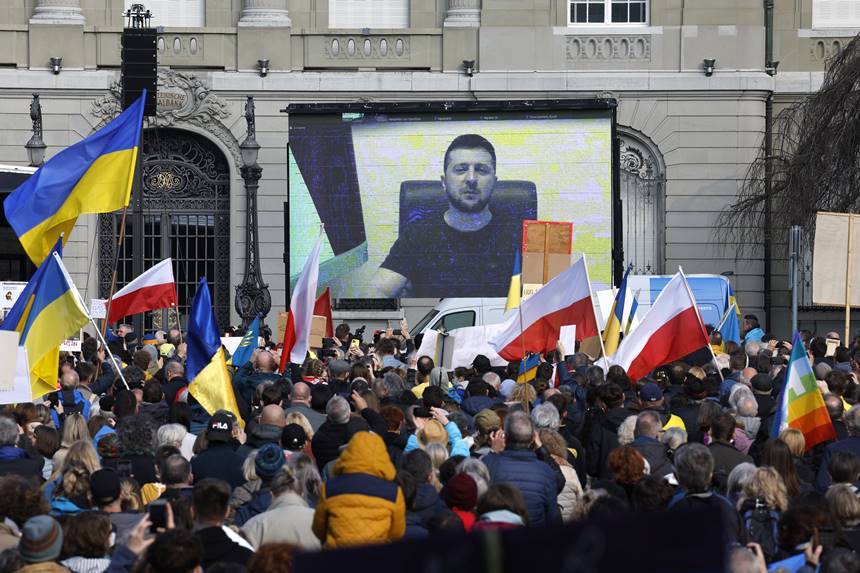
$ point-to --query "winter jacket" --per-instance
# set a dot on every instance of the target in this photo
(328, 440)
(288, 520)
(218, 461)
(415, 528)
(726, 458)
(16, 461)
(261, 502)
(261, 435)
(361, 504)
(602, 437)
(428, 505)
(158, 411)
(534, 478)
(474, 404)
(572, 492)
(850, 444)
(732, 522)
(79, 399)
(245, 383)
(218, 546)
(655, 453)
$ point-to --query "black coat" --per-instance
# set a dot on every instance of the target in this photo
(726, 458)
(15, 461)
(328, 440)
(218, 548)
(656, 453)
(218, 461)
(602, 438)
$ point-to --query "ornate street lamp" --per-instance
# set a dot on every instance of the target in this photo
(252, 294)
(36, 146)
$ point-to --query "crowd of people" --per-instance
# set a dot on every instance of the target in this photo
(370, 443)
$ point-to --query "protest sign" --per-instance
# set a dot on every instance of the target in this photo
(471, 341)
(98, 308)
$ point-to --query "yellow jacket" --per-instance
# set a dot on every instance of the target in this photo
(361, 504)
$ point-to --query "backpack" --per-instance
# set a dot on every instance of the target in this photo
(760, 524)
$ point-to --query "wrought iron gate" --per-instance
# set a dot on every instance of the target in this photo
(643, 193)
(186, 216)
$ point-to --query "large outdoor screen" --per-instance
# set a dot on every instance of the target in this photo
(431, 204)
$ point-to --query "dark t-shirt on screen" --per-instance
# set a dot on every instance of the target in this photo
(441, 261)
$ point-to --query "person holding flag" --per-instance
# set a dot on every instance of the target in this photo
(206, 365)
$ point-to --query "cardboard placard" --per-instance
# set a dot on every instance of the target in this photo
(318, 325)
(546, 250)
(830, 262)
(98, 308)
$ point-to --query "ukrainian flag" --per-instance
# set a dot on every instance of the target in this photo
(612, 330)
(634, 306)
(515, 291)
(92, 176)
(528, 368)
(246, 347)
(205, 363)
(730, 327)
(47, 312)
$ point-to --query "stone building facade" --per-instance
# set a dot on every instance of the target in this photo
(687, 136)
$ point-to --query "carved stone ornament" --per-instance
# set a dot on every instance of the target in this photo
(183, 99)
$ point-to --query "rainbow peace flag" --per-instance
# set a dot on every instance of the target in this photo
(801, 404)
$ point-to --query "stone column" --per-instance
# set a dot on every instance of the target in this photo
(265, 13)
(463, 13)
(57, 12)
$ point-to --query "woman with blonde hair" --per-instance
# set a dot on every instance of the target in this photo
(524, 394)
(793, 438)
(70, 491)
(569, 496)
(844, 505)
(74, 430)
(763, 500)
(438, 455)
(766, 486)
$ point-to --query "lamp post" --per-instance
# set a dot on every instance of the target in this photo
(36, 146)
(252, 294)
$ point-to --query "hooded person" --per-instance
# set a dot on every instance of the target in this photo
(361, 504)
(461, 496)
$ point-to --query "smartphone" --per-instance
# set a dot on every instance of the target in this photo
(158, 515)
(422, 412)
(123, 469)
(832, 344)
(356, 343)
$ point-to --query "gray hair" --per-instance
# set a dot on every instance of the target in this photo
(694, 467)
(752, 348)
(747, 407)
(174, 367)
(492, 379)
(852, 420)
(380, 388)
(249, 467)
(742, 560)
(337, 410)
(519, 429)
(648, 424)
(674, 437)
(477, 470)
(738, 393)
(8, 431)
(170, 434)
(626, 431)
(738, 477)
(394, 383)
(546, 416)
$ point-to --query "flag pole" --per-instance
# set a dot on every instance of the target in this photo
(74, 289)
(701, 323)
(119, 242)
(593, 310)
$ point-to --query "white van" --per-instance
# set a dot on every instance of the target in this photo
(453, 313)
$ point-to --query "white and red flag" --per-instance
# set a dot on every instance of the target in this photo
(671, 330)
(153, 289)
(298, 330)
(565, 300)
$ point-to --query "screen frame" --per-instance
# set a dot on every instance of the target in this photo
(608, 104)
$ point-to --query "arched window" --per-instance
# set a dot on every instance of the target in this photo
(368, 13)
(174, 13)
(186, 216)
(643, 205)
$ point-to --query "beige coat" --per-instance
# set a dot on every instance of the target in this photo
(288, 519)
(570, 495)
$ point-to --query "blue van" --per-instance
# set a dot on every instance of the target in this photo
(711, 292)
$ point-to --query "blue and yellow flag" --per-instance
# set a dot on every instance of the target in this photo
(91, 176)
(48, 311)
(246, 347)
(515, 291)
(612, 330)
(528, 368)
(205, 363)
(634, 306)
(730, 327)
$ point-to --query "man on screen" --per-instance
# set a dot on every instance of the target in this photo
(468, 250)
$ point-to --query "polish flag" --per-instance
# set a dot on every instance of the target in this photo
(671, 330)
(301, 314)
(153, 289)
(322, 307)
(563, 301)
